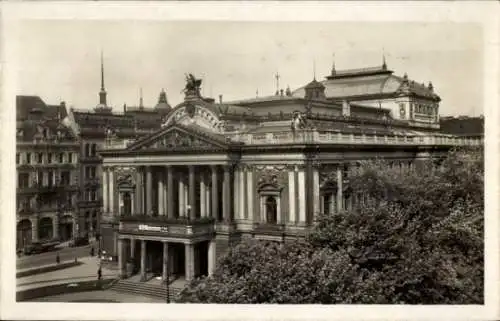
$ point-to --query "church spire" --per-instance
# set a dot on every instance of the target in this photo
(333, 66)
(384, 63)
(102, 93)
(141, 102)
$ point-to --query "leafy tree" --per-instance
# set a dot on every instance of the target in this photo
(418, 239)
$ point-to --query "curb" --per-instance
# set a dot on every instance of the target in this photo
(69, 287)
(49, 268)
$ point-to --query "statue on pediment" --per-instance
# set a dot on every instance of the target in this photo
(193, 86)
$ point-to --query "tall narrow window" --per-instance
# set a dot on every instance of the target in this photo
(271, 210)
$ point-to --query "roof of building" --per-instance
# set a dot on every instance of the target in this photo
(366, 82)
(34, 107)
(462, 125)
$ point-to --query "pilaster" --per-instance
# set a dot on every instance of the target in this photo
(165, 261)
(212, 257)
(143, 260)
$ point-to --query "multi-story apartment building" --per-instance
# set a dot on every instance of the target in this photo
(47, 173)
(94, 128)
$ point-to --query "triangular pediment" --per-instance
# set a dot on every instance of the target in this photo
(180, 137)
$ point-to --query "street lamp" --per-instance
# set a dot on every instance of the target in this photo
(167, 281)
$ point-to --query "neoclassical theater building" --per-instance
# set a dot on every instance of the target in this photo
(263, 168)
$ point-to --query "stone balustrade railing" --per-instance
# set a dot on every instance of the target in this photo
(318, 137)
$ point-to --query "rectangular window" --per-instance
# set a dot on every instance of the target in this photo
(51, 178)
(23, 180)
(28, 158)
(61, 158)
(49, 158)
(92, 172)
(39, 178)
(39, 157)
(70, 157)
(18, 157)
(65, 178)
(94, 195)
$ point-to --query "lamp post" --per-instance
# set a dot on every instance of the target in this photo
(167, 281)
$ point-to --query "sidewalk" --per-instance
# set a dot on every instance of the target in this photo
(84, 272)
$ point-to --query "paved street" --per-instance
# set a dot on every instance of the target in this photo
(65, 254)
(84, 272)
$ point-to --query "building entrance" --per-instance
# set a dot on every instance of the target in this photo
(155, 258)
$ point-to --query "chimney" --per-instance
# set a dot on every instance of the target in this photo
(124, 108)
(220, 99)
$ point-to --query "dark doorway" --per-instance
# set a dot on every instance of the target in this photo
(23, 233)
(154, 257)
(201, 250)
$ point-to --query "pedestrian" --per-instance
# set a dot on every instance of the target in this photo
(99, 274)
(92, 251)
(58, 259)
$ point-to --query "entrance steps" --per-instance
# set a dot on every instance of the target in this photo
(150, 288)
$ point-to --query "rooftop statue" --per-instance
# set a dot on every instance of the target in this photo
(192, 85)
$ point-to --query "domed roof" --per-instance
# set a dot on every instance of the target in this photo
(162, 101)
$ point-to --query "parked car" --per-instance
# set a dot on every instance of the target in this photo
(40, 247)
(79, 241)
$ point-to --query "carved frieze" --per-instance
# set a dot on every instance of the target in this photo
(125, 176)
(176, 139)
(271, 175)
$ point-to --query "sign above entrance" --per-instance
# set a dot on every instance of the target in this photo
(143, 227)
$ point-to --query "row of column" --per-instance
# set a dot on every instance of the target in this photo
(207, 205)
(189, 258)
(238, 193)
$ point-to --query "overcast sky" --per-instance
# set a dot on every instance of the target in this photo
(60, 60)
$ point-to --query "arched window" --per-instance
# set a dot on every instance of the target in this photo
(271, 210)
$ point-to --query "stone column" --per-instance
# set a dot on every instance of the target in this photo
(55, 226)
(121, 259)
(181, 198)
(236, 194)
(189, 262)
(34, 229)
(215, 195)
(192, 194)
(111, 191)
(291, 196)
(160, 208)
(316, 201)
(203, 194)
(250, 197)
(339, 188)
(211, 257)
(143, 260)
(132, 248)
(302, 196)
(164, 193)
(241, 195)
(170, 192)
(105, 190)
(226, 195)
(139, 210)
(165, 260)
(149, 191)
(208, 192)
